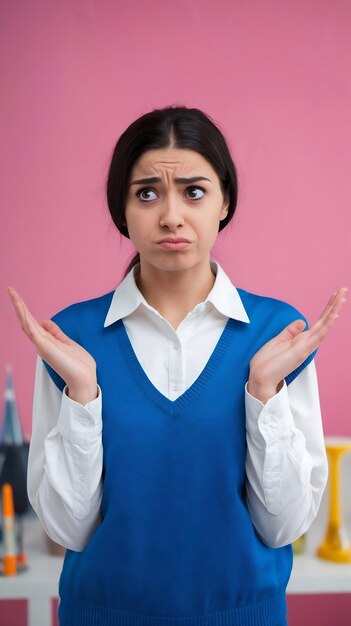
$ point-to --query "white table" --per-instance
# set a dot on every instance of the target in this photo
(39, 584)
(313, 575)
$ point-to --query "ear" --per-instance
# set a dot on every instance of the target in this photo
(225, 207)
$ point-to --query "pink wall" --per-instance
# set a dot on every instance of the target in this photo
(274, 75)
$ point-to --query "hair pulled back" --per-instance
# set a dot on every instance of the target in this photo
(169, 127)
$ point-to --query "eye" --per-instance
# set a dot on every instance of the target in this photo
(148, 190)
(197, 188)
(144, 190)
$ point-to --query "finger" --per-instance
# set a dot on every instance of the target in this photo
(321, 332)
(22, 311)
(290, 331)
(320, 329)
(329, 306)
(39, 334)
(333, 307)
(28, 323)
(338, 300)
(15, 301)
(313, 337)
(333, 311)
(56, 331)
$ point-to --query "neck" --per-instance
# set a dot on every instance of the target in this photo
(174, 293)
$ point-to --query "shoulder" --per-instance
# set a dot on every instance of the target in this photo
(82, 321)
(264, 307)
(81, 314)
(268, 317)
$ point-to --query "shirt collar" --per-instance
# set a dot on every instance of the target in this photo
(223, 295)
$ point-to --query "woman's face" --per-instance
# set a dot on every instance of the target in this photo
(168, 208)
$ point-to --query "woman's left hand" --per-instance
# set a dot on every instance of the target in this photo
(285, 352)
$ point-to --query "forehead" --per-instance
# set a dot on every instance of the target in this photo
(179, 159)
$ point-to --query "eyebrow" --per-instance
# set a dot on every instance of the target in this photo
(155, 179)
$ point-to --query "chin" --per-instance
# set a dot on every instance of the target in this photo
(176, 264)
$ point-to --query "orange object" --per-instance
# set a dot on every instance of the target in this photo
(10, 565)
(7, 500)
(10, 557)
(22, 558)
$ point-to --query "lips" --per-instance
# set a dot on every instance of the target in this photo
(171, 243)
(174, 240)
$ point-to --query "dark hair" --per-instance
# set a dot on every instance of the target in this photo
(173, 126)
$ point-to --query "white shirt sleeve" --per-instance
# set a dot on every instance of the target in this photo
(286, 461)
(65, 462)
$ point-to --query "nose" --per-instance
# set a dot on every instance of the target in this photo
(171, 214)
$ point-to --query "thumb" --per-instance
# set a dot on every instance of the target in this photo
(293, 329)
(51, 327)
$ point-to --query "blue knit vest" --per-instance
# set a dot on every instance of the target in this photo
(176, 545)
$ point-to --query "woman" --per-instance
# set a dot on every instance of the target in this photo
(177, 446)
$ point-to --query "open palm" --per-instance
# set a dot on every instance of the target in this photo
(285, 352)
(69, 359)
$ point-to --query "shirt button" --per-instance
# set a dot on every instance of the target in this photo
(82, 478)
(175, 387)
(84, 421)
(175, 347)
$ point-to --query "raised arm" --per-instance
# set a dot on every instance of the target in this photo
(65, 463)
(286, 461)
(65, 456)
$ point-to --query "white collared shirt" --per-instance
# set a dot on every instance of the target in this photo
(286, 463)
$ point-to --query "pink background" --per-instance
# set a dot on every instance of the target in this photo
(275, 76)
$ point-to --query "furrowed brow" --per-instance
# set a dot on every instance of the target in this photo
(155, 179)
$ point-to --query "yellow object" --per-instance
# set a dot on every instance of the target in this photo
(336, 545)
(299, 545)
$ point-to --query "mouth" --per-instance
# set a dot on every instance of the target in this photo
(174, 240)
(172, 243)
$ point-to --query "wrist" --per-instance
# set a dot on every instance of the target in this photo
(83, 394)
(261, 391)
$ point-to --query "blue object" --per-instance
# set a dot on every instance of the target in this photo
(11, 427)
(176, 545)
(13, 450)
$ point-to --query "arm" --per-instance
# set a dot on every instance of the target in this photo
(65, 463)
(286, 463)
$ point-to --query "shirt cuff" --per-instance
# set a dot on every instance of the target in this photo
(78, 422)
(272, 420)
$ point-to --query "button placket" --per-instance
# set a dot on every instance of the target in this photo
(175, 368)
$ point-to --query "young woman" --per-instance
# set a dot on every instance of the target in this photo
(177, 447)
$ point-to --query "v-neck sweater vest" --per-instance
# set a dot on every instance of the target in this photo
(176, 545)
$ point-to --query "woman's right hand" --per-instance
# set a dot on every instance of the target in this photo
(69, 359)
